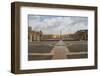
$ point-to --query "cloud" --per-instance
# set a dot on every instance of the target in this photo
(54, 24)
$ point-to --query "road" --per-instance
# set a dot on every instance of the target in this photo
(59, 51)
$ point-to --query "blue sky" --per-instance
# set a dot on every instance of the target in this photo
(55, 24)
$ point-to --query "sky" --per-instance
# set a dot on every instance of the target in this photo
(56, 24)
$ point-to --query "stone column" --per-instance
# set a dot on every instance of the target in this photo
(38, 38)
(30, 37)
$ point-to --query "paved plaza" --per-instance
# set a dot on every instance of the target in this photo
(48, 50)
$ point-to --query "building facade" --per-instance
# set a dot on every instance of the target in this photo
(34, 35)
